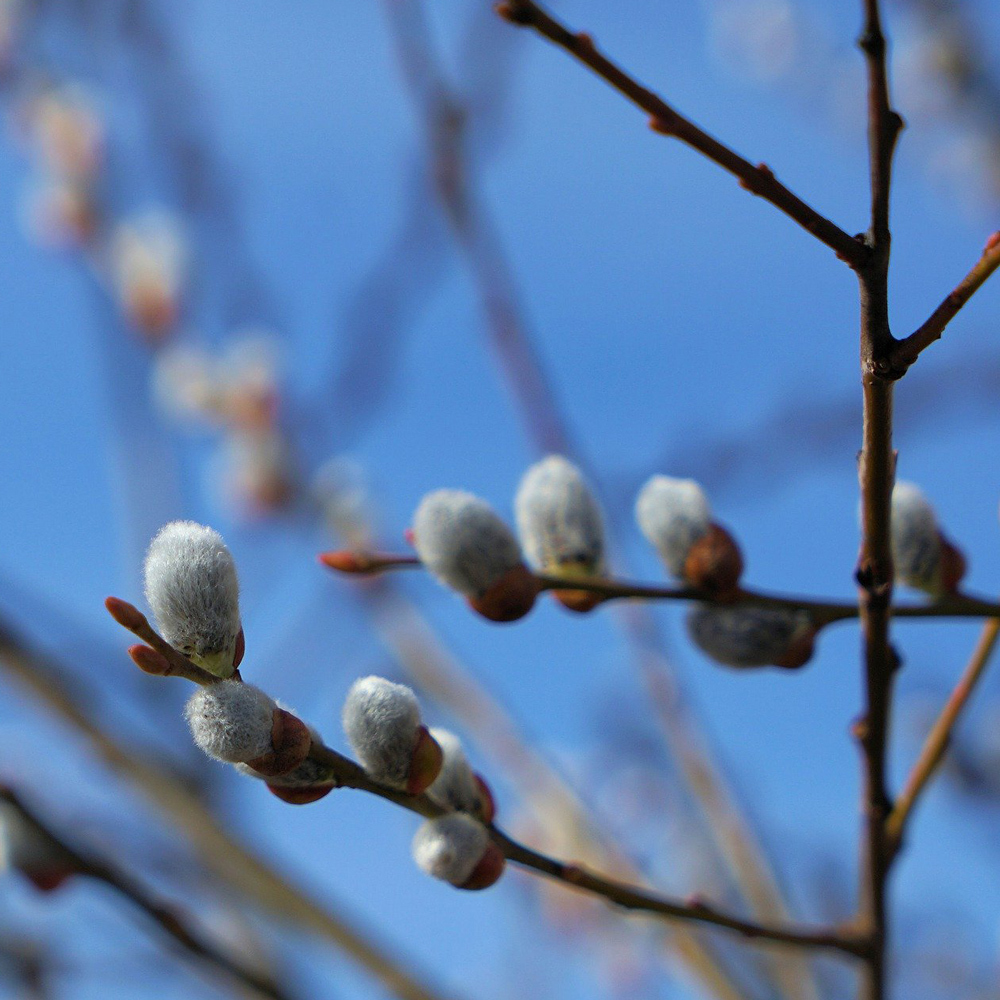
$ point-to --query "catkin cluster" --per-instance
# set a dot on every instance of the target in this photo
(192, 587)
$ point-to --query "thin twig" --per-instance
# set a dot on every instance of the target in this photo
(939, 738)
(756, 178)
(876, 473)
(906, 351)
(957, 605)
(348, 774)
(169, 920)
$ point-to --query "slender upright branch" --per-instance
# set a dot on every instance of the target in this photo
(907, 350)
(173, 923)
(876, 473)
(756, 178)
(939, 738)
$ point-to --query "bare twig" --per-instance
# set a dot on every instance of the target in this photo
(939, 738)
(876, 473)
(906, 351)
(169, 920)
(758, 179)
(957, 605)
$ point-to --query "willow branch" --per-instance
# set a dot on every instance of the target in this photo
(756, 178)
(939, 738)
(876, 474)
(906, 351)
(226, 858)
(347, 774)
(168, 919)
(822, 612)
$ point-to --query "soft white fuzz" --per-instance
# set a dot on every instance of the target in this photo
(231, 721)
(191, 586)
(745, 636)
(455, 786)
(673, 514)
(463, 541)
(559, 520)
(916, 541)
(380, 722)
(450, 847)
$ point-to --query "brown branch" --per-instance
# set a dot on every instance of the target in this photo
(756, 178)
(906, 351)
(957, 605)
(346, 773)
(876, 474)
(168, 919)
(939, 738)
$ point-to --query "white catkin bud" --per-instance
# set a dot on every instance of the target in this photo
(455, 786)
(916, 540)
(231, 721)
(380, 722)
(673, 514)
(191, 586)
(559, 520)
(463, 541)
(450, 847)
(746, 636)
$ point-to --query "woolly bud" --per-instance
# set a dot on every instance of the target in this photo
(457, 849)
(923, 558)
(747, 636)
(191, 586)
(560, 525)
(463, 542)
(382, 724)
(231, 721)
(455, 787)
(675, 517)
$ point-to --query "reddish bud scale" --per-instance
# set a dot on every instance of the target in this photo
(426, 763)
(241, 645)
(488, 869)
(953, 566)
(992, 243)
(344, 561)
(49, 879)
(127, 615)
(487, 804)
(800, 652)
(714, 563)
(149, 661)
(510, 598)
(290, 743)
(300, 796)
(580, 601)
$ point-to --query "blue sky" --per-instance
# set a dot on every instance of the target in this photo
(672, 311)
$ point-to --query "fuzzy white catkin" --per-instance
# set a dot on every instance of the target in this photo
(745, 636)
(558, 519)
(455, 786)
(380, 722)
(673, 514)
(463, 541)
(231, 721)
(192, 588)
(450, 847)
(916, 540)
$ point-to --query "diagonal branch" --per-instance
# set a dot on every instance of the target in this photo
(908, 349)
(940, 735)
(756, 178)
(171, 922)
